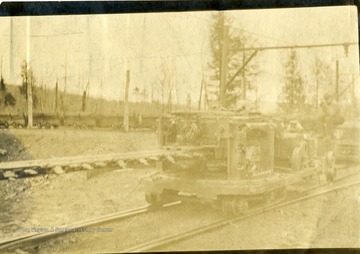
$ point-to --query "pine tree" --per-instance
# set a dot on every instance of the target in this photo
(293, 94)
(28, 76)
(237, 40)
(7, 99)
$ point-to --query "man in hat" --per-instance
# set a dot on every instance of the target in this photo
(331, 113)
(172, 131)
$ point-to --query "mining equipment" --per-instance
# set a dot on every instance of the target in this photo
(348, 138)
(233, 160)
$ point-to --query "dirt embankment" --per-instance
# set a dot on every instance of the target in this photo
(53, 200)
(42, 143)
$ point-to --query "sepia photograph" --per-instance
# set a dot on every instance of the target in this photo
(180, 131)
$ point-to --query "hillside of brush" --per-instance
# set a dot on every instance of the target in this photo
(68, 103)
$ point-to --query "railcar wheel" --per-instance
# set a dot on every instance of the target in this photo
(281, 194)
(226, 206)
(234, 206)
(330, 171)
(240, 206)
(154, 199)
(270, 198)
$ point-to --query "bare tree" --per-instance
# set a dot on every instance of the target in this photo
(167, 84)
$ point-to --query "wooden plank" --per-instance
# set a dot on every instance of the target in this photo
(63, 161)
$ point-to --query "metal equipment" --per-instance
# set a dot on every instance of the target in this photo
(228, 159)
(348, 137)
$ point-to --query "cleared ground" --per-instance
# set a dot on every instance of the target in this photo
(55, 200)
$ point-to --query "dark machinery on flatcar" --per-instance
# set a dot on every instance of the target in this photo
(228, 160)
(348, 138)
(297, 148)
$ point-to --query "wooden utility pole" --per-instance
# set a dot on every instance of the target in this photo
(29, 101)
(83, 104)
(223, 70)
(169, 102)
(126, 102)
(201, 91)
(162, 97)
(317, 95)
(256, 99)
(152, 92)
(337, 81)
(56, 96)
(127, 81)
(79, 79)
(65, 71)
(29, 83)
(88, 104)
(42, 96)
(206, 99)
(101, 97)
(12, 47)
(241, 68)
(354, 110)
(47, 106)
(243, 79)
(63, 101)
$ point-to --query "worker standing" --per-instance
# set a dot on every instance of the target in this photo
(331, 114)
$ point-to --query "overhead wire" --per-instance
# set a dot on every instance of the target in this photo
(210, 21)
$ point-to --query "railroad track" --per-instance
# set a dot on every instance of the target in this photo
(156, 244)
(33, 240)
(338, 180)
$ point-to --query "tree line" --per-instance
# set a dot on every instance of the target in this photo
(242, 70)
(293, 96)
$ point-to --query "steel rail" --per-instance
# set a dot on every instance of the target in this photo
(340, 179)
(34, 239)
(156, 243)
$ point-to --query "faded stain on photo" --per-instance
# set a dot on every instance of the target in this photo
(181, 131)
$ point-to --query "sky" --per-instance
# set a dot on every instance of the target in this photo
(175, 47)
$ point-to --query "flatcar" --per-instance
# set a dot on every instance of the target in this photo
(227, 159)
